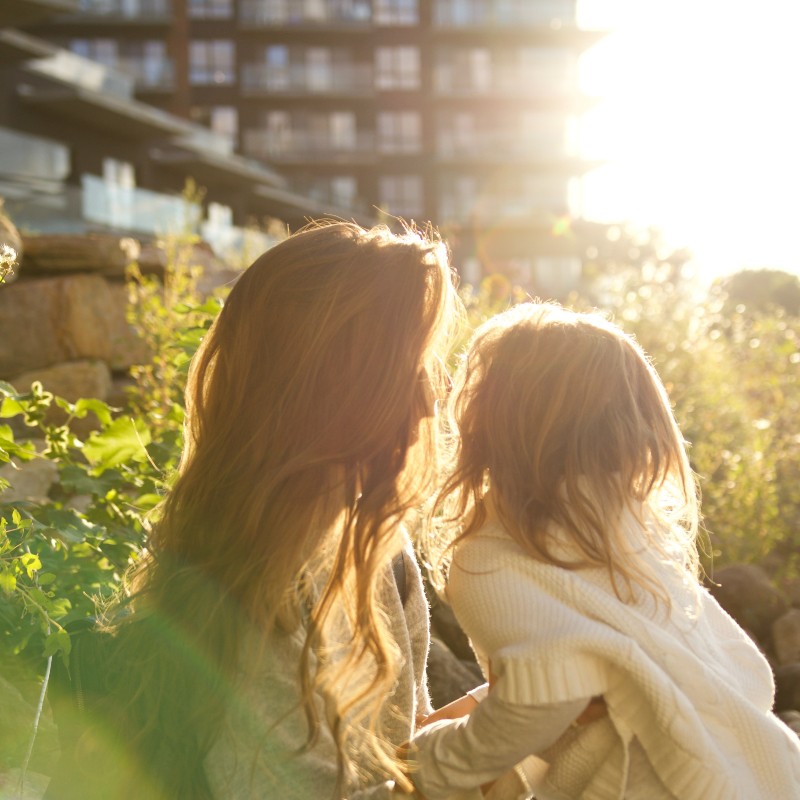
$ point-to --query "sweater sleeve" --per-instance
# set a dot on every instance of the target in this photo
(470, 751)
(262, 752)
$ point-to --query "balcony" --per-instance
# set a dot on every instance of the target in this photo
(538, 204)
(148, 74)
(305, 13)
(506, 14)
(505, 81)
(504, 146)
(145, 12)
(300, 79)
(138, 210)
(305, 146)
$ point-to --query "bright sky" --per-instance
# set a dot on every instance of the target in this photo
(701, 121)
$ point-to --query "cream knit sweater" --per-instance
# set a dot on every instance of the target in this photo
(688, 694)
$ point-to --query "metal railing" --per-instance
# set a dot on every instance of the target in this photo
(302, 79)
(305, 12)
(503, 13)
(306, 145)
(127, 9)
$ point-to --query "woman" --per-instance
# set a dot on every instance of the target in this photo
(266, 650)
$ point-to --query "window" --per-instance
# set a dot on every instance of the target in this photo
(210, 9)
(278, 126)
(342, 127)
(396, 12)
(119, 173)
(344, 191)
(224, 121)
(401, 195)
(397, 67)
(318, 69)
(466, 70)
(459, 198)
(399, 132)
(212, 61)
(276, 58)
(103, 51)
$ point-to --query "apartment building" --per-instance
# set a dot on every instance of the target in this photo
(462, 112)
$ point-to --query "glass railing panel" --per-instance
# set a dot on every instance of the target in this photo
(305, 12)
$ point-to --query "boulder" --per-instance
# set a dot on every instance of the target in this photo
(28, 480)
(127, 346)
(445, 625)
(747, 594)
(787, 687)
(791, 719)
(72, 381)
(47, 321)
(58, 253)
(786, 637)
(448, 676)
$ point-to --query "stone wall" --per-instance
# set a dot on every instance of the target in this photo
(63, 313)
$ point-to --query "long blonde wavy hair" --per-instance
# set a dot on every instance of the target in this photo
(562, 417)
(308, 441)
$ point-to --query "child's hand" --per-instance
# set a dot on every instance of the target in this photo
(596, 709)
(458, 708)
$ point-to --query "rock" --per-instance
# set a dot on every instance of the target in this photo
(791, 719)
(48, 254)
(786, 637)
(448, 676)
(787, 687)
(446, 627)
(29, 480)
(47, 321)
(127, 346)
(746, 593)
(72, 381)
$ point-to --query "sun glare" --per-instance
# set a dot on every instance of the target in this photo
(700, 124)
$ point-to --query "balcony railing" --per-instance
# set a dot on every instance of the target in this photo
(323, 194)
(305, 12)
(148, 73)
(503, 13)
(302, 79)
(500, 145)
(135, 209)
(307, 146)
(145, 10)
(505, 80)
(462, 209)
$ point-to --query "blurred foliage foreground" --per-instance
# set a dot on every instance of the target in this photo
(731, 371)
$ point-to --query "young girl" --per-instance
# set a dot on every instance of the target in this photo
(575, 576)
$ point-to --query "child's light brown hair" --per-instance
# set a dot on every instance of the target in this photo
(564, 418)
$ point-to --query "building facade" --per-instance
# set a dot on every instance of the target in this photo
(464, 113)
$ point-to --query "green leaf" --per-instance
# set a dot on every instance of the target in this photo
(46, 578)
(68, 524)
(8, 583)
(57, 642)
(100, 409)
(148, 501)
(7, 389)
(31, 563)
(124, 440)
(11, 407)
